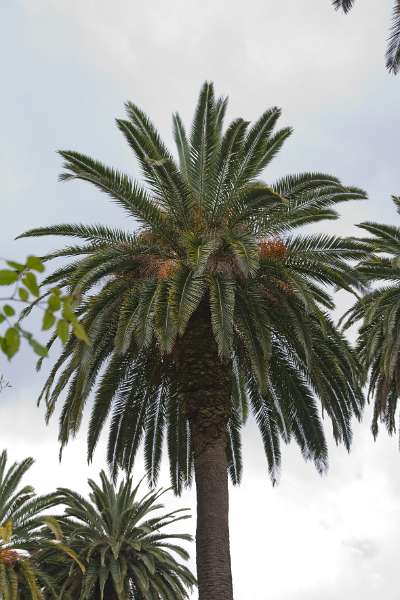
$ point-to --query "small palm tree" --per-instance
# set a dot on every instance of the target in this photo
(379, 314)
(121, 541)
(22, 534)
(393, 49)
(212, 309)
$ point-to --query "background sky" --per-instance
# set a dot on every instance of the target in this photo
(67, 67)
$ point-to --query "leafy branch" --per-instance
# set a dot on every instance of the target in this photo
(58, 308)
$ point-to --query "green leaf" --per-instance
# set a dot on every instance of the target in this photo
(48, 320)
(2, 318)
(8, 277)
(16, 265)
(33, 262)
(30, 282)
(80, 332)
(8, 310)
(23, 294)
(54, 301)
(68, 311)
(11, 342)
(36, 347)
(62, 330)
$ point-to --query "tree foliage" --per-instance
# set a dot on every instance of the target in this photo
(206, 229)
(57, 308)
(22, 534)
(124, 547)
(378, 313)
(116, 545)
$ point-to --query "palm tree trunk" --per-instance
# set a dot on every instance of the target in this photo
(206, 389)
(212, 535)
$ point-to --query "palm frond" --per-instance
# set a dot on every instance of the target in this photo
(120, 187)
(393, 49)
(345, 5)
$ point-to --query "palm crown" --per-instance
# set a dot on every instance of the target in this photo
(211, 309)
(123, 549)
(393, 49)
(379, 313)
(215, 243)
(22, 533)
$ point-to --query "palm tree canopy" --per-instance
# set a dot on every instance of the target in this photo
(213, 240)
(379, 312)
(22, 533)
(122, 542)
(393, 48)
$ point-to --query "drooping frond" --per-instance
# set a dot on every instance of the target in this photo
(234, 450)
(222, 305)
(185, 295)
(179, 443)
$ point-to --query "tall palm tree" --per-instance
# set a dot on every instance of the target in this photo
(378, 312)
(122, 544)
(211, 308)
(393, 48)
(21, 534)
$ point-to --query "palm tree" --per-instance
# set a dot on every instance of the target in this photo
(212, 308)
(379, 314)
(122, 544)
(21, 534)
(393, 49)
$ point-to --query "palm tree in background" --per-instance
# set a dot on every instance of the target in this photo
(120, 540)
(22, 534)
(205, 309)
(379, 314)
(393, 49)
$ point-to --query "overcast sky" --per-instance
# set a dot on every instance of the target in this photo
(67, 67)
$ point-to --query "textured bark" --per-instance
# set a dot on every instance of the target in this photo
(212, 535)
(206, 389)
